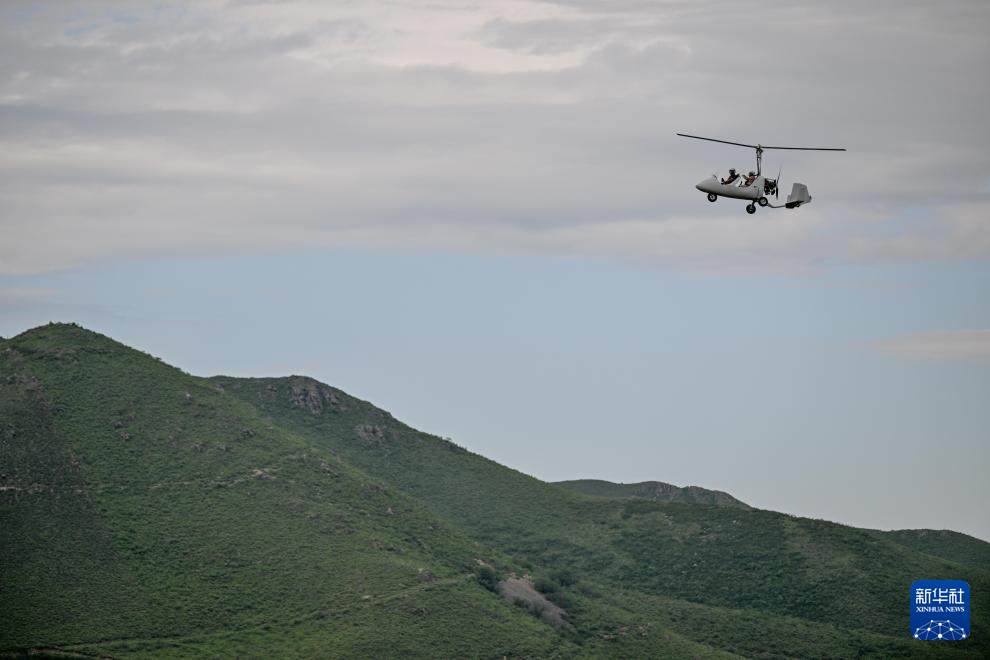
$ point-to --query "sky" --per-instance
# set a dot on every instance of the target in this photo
(478, 216)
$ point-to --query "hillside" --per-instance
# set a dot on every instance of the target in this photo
(748, 563)
(150, 513)
(943, 543)
(146, 513)
(653, 490)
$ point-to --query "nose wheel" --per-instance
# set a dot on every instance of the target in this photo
(712, 197)
(751, 208)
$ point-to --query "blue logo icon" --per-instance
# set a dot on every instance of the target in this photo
(940, 610)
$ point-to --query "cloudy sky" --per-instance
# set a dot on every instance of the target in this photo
(478, 216)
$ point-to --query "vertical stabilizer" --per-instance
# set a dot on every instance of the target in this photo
(799, 195)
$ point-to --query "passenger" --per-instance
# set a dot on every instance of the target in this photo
(750, 178)
(732, 177)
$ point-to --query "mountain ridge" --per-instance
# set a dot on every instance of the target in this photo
(653, 490)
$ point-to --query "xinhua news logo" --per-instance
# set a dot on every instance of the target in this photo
(940, 610)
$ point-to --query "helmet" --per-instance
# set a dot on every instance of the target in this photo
(752, 173)
(732, 170)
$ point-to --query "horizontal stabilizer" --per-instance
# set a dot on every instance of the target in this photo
(799, 195)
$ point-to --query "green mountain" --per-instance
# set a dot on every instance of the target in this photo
(145, 512)
(943, 543)
(746, 562)
(653, 490)
(149, 513)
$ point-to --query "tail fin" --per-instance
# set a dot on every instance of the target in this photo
(799, 195)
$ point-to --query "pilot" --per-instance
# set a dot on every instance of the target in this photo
(732, 177)
(750, 178)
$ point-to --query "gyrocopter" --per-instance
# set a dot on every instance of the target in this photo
(754, 187)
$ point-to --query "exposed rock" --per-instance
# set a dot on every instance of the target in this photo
(314, 396)
(372, 434)
(521, 591)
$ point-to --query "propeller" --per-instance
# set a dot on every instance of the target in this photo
(776, 184)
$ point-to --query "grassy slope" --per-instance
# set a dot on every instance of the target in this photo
(146, 512)
(842, 582)
(943, 543)
(652, 490)
(58, 557)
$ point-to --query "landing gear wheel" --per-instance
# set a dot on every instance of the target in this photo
(762, 201)
(712, 197)
(751, 209)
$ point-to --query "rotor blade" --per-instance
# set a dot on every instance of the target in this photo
(806, 148)
(698, 137)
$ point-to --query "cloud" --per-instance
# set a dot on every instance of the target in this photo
(134, 129)
(968, 345)
(958, 231)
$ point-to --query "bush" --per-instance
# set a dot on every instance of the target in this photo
(488, 578)
(546, 585)
(561, 600)
(564, 577)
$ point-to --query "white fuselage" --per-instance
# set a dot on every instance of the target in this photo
(735, 190)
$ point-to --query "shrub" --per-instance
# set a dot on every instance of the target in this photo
(560, 599)
(546, 585)
(488, 578)
(564, 577)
